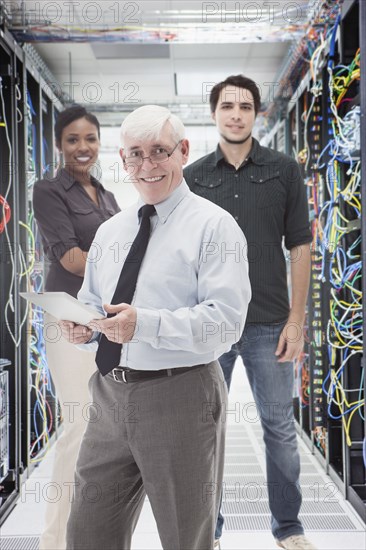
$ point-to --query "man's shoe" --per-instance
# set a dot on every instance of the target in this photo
(217, 545)
(296, 542)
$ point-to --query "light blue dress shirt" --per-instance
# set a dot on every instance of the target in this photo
(193, 289)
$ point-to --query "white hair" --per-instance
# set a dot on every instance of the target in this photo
(147, 123)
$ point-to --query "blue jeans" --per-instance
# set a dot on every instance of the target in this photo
(272, 386)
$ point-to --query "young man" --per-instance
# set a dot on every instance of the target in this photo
(264, 192)
(160, 403)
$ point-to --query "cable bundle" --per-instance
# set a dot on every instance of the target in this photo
(338, 237)
(40, 385)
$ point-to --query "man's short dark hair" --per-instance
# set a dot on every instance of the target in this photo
(240, 81)
(68, 116)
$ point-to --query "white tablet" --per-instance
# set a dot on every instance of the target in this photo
(63, 306)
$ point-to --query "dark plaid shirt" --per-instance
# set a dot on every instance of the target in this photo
(267, 197)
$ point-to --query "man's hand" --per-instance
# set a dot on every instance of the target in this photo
(291, 342)
(75, 334)
(120, 328)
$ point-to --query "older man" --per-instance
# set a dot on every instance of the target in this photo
(159, 394)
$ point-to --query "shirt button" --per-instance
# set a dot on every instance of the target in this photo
(236, 196)
(211, 185)
(251, 177)
(236, 218)
(260, 181)
(236, 175)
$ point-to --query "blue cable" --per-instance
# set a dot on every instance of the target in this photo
(333, 41)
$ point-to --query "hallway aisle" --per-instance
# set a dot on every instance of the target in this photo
(330, 522)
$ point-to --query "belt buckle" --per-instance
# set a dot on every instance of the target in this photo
(123, 373)
(115, 377)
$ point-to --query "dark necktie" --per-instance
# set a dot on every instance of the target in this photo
(109, 353)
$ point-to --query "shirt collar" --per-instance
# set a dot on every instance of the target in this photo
(256, 155)
(166, 207)
(68, 181)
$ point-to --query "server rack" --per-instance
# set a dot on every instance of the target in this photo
(356, 489)
(41, 402)
(324, 131)
(9, 267)
(27, 111)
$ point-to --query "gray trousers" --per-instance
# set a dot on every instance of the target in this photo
(162, 437)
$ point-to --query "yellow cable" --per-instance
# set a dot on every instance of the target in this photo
(33, 252)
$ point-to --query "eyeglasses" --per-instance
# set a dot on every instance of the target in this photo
(157, 156)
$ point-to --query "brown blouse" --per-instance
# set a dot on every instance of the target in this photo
(67, 218)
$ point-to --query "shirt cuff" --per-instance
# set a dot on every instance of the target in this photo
(95, 337)
(147, 325)
(299, 242)
(92, 344)
(56, 252)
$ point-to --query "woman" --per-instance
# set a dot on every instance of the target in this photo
(69, 209)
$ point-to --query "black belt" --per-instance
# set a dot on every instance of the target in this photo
(122, 374)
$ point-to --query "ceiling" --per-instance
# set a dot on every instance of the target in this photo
(115, 56)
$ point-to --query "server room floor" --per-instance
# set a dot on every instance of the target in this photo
(330, 522)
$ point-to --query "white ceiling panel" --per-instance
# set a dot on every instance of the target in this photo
(228, 51)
